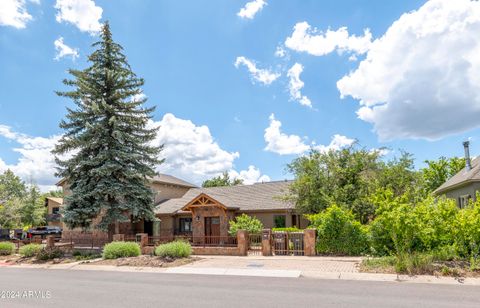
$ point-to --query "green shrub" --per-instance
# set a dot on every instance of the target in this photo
(416, 263)
(177, 249)
(467, 232)
(30, 250)
(117, 250)
(90, 255)
(339, 233)
(6, 248)
(245, 222)
(288, 229)
(49, 254)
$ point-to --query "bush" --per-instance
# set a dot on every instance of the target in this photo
(6, 248)
(339, 233)
(49, 254)
(289, 229)
(30, 250)
(245, 222)
(117, 250)
(177, 249)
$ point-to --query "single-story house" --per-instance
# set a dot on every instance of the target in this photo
(464, 185)
(185, 209)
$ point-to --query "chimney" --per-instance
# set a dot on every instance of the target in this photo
(466, 146)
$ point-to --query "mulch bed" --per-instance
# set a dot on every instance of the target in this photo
(145, 261)
(17, 259)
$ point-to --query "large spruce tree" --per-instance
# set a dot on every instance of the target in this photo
(107, 142)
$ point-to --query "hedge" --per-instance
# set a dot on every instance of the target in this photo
(30, 250)
(177, 249)
(117, 250)
(6, 248)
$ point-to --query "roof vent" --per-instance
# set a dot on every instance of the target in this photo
(468, 164)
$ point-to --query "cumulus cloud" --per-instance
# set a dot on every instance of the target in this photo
(63, 50)
(250, 176)
(84, 14)
(251, 9)
(280, 52)
(306, 39)
(283, 144)
(36, 163)
(421, 79)
(14, 13)
(264, 76)
(295, 85)
(190, 151)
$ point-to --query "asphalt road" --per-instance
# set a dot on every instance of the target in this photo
(68, 288)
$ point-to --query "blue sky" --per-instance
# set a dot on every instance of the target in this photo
(411, 86)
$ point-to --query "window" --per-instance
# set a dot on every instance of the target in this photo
(185, 225)
(55, 210)
(279, 221)
(463, 201)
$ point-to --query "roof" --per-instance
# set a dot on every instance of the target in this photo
(461, 178)
(255, 197)
(55, 199)
(160, 178)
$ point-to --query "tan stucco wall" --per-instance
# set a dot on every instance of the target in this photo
(469, 189)
(50, 205)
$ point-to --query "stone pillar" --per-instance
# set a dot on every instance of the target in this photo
(119, 237)
(50, 241)
(143, 239)
(37, 239)
(242, 242)
(309, 239)
(266, 242)
(156, 227)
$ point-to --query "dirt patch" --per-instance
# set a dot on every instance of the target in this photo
(145, 261)
(17, 259)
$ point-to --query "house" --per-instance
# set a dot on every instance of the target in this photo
(53, 205)
(464, 185)
(185, 209)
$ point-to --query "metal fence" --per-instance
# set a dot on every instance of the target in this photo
(287, 243)
(255, 244)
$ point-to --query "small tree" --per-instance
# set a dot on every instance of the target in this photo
(33, 210)
(222, 180)
(245, 222)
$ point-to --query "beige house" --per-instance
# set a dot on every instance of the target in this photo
(53, 211)
(464, 185)
(185, 209)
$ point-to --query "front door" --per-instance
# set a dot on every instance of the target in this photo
(212, 230)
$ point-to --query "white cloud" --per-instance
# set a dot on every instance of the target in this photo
(64, 50)
(14, 13)
(421, 79)
(283, 144)
(84, 14)
(262, 75)
(250, 176)
(36, 163)
(295, 85)
(306, 39)
(280, 52)
(338, 142)
(251, 9)
(190, 151)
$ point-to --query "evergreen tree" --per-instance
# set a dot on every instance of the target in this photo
(109, 136)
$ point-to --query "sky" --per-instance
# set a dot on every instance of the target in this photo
(246, 86)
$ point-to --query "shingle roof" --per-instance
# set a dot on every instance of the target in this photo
(160, 178)
(170, 179)
(463, 176)
(256, 197)
(55, 199)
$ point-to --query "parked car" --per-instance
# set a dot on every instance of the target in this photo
(44, 231)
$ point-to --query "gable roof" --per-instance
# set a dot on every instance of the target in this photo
(461, 178)
(255, 197)
(160, 178)
(54, 199)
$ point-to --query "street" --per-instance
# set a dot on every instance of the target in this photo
(76, 288)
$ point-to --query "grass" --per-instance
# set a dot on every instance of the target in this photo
(84, 256)
(117, 250)
(6, 248)
(30, 250)
(177, 249)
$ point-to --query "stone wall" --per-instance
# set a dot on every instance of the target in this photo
(226, 251)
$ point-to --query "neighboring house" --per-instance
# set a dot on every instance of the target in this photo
(54, 205)
(184, 208)
(464, 185)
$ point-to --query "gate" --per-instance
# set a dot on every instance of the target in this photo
(287, 243)
(255, 244)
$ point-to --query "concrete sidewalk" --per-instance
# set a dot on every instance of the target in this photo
(337, 268)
